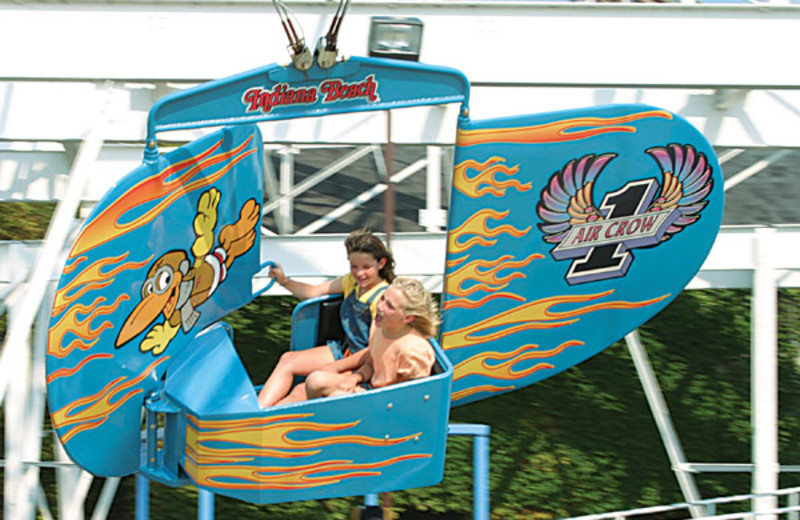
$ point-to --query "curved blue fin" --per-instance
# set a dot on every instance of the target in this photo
(567, 231)
(169, 250)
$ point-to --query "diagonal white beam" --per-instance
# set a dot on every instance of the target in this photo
(658, 408)
(320, 176)
(18, 334)
(362, 198)
(755, 168)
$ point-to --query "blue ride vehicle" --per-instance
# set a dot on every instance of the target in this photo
(566, 230)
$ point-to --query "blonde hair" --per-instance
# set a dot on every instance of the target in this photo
(420, 304)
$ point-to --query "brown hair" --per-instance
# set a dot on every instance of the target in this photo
(420, 304)
(363, 241)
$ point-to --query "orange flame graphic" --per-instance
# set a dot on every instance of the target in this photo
(66, 372)
(485, 181)
(557, 131)
(210, 463)
(90, 279)
(91, 411)
(534, 315)
(504, 369)
(488, 280)
(74, 264)
(461, 394)
(464, 303)
(71, 323)
(269, 437)
(110, 223)
(455, 261)
(476, 225)
(287, 478)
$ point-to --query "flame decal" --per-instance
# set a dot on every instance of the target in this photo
(91, 278)
(74, 264)
(485, 182)
(461, 394)
(70, 323)
(93, 410)
(476, 225)
(287, 478)
(455, 261)
(487, 279)
(558, 131)
(66, 372)
(534, 315)
(506, 361)
(215, 449)
(269, 437)
(165, 187)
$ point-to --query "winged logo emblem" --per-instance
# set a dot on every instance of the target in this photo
(599, 238)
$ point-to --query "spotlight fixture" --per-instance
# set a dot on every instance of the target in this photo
(399, 38)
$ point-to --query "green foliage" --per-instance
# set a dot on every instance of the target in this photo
(24, 220)
(262, 330)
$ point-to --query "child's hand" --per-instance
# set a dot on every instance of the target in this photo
(276, 272)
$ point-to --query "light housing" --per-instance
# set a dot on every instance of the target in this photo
(398, 38)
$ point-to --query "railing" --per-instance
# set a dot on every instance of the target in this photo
(707, 509)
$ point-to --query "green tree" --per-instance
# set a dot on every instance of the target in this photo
(24, 220)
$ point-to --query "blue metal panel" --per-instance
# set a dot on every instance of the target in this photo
(277, 92)
(168, 251)
(306, 321)
(566, 231)
(386, 439)
(209, 378)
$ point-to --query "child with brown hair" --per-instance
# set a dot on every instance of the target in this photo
(371, 271)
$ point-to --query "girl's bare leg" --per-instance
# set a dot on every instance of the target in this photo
(297, 394)
(323, 383)
(292, 363)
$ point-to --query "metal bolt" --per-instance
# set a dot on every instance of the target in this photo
(389, 406)
(427, 397)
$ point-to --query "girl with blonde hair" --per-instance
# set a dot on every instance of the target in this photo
(399, 345)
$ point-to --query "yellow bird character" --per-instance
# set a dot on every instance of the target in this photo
(174, 288)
